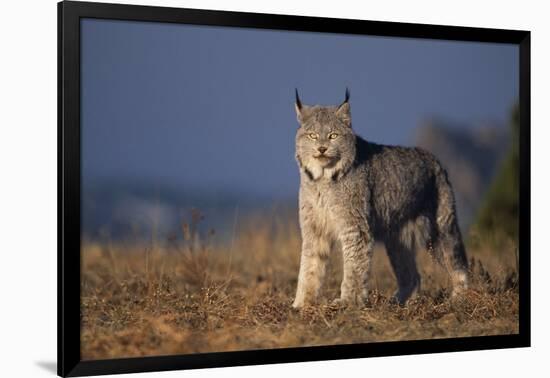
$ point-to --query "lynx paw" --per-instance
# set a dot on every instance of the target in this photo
(348, 302)
(339, 302)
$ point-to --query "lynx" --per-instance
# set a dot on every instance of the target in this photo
(354, 192)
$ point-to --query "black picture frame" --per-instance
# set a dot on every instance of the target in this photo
(69, 215)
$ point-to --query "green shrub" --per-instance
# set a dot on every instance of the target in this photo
(499, 213)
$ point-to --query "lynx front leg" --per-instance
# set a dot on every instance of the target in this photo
(357, 249)
(313, 263)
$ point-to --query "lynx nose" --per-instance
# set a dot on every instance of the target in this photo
(322, 149)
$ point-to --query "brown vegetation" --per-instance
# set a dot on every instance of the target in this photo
(195, 295)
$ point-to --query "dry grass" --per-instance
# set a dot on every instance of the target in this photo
(193, 296)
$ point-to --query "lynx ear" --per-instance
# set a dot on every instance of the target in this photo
(298, 106)
(302, 111)
(344, 110)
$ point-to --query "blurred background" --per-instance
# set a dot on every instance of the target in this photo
(179, 117)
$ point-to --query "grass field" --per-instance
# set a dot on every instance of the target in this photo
(192, 294)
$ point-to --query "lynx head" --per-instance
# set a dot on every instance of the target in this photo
(325, 142)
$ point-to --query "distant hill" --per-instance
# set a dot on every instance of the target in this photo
(471, 157)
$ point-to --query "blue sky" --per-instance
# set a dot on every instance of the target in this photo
(211, 108)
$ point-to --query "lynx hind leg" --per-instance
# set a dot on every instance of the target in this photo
(401, 249)
(403, 261)
(450, 247)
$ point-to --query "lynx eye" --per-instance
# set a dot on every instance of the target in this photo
(313, 136)
(332, 136)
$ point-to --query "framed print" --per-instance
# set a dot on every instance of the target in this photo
(239, 188)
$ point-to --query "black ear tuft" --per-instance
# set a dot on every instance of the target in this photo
(343, 111)
(298, 102)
